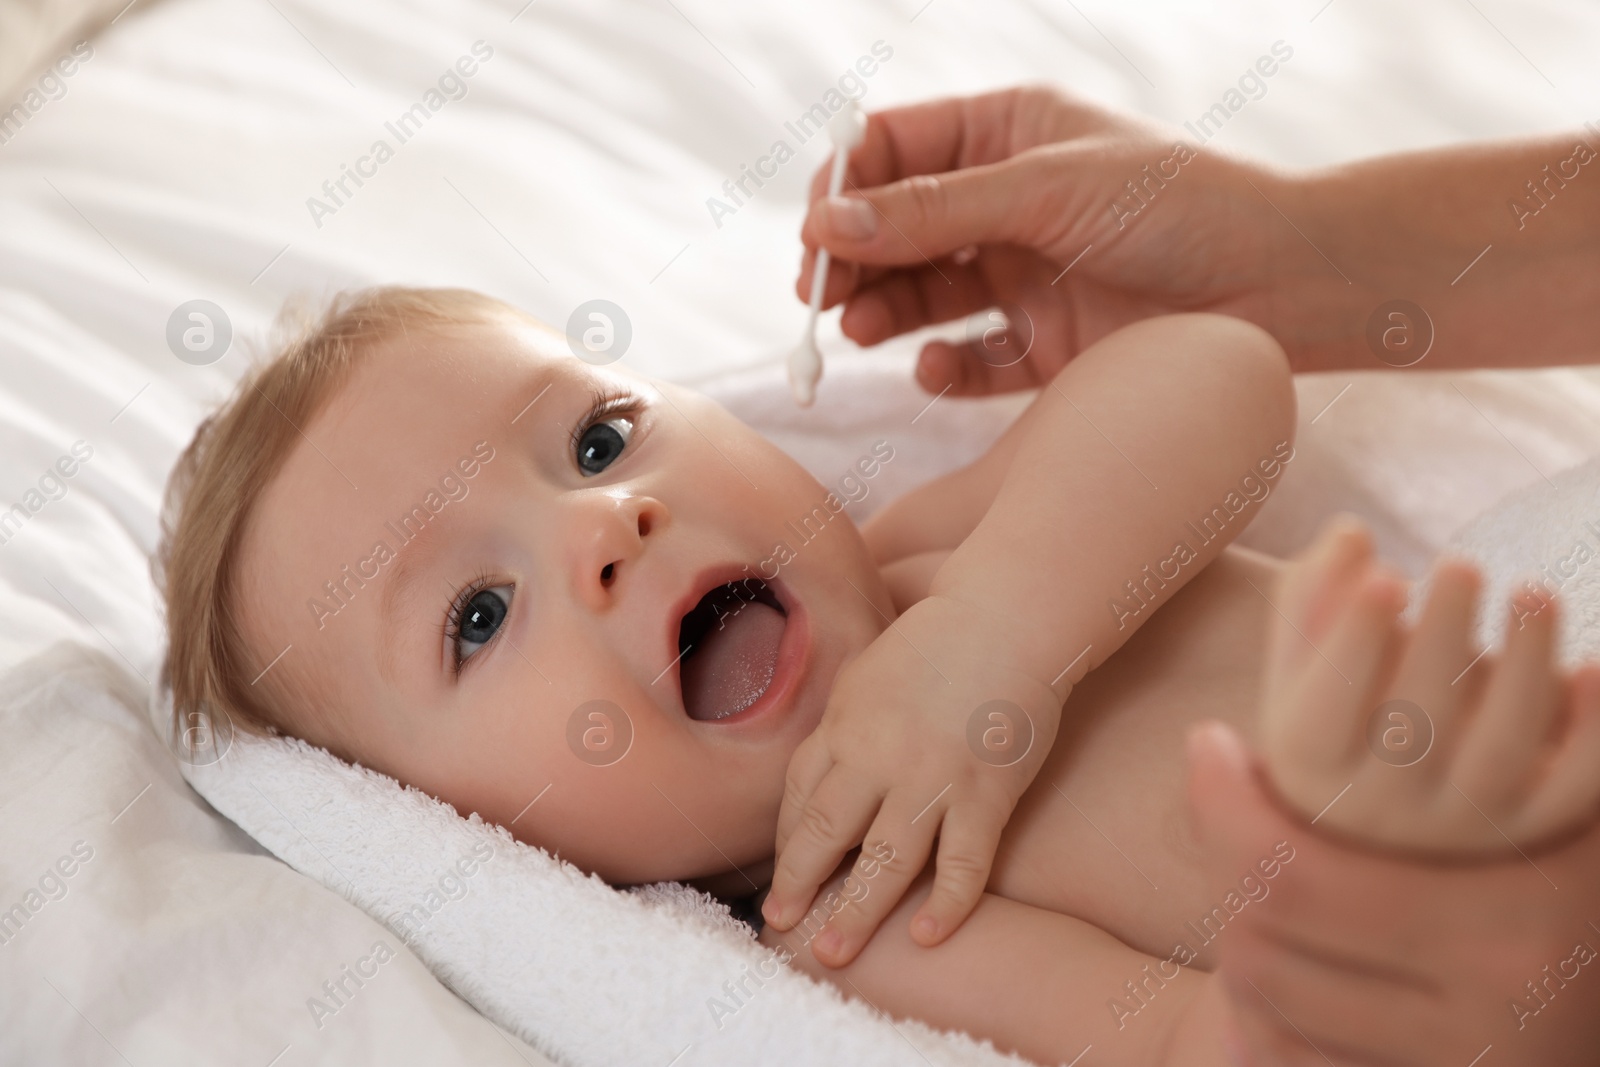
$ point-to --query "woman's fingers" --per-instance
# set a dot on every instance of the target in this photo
(963, 369)
(925, 217)
(907, 300)
(935, 136)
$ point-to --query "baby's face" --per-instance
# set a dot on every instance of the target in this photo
(483, 588)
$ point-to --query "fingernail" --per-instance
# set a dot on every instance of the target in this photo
(830, 941)
(851, 217)
(770, 910)
(867, 319)
(925, 927)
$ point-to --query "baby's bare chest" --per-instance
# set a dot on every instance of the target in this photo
(1103, 833)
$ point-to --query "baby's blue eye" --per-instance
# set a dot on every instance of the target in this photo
(479, 619)
(602, 443)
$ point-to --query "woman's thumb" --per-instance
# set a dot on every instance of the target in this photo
(1232, 814)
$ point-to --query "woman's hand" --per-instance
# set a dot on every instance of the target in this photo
(1076, 219)
(1370, 957)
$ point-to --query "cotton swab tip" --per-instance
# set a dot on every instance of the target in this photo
(848, 128)
(805, 367)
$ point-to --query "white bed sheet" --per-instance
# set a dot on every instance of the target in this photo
(178, 164)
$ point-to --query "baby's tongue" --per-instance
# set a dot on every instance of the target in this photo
(733, 662)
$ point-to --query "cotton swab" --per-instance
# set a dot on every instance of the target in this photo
(847, 130)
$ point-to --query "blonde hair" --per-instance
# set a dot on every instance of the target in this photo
(235, 453)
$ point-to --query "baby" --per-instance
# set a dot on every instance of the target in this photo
(568, 598)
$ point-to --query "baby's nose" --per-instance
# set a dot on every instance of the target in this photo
(611, 533)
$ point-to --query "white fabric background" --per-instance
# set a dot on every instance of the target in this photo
(177, 166)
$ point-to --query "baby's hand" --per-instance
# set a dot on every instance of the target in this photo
(929, 732)
(1411, 737)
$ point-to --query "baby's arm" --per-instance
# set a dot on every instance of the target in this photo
(1127, 475)
(1135, 444)
(1045, 985)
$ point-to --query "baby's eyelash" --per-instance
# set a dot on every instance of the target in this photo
(604, 404)
(451, 631)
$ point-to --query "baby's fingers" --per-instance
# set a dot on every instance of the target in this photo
(967, 842)
(831, 824)
(808, 766)
(895, 852)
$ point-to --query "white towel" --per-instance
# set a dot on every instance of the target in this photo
(1543, 539)
(587, 974)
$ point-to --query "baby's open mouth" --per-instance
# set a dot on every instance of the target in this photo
(729, 646)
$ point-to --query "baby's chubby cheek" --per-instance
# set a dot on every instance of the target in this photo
(590, 768)
(665, 810)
